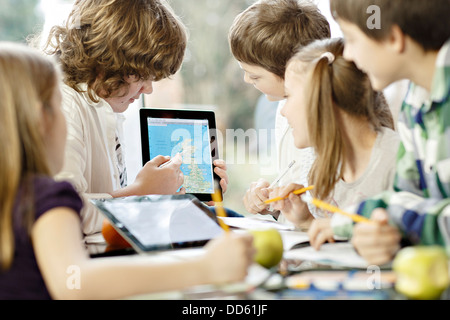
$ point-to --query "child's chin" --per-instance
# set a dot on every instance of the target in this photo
(300, 145)
(273, 99)
(379, 84)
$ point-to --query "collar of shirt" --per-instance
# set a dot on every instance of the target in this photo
(83, 87)
(440, 89)
(419, 98)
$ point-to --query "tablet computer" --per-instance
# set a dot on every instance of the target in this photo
(161, 222)
(191, 133)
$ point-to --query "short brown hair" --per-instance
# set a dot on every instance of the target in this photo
(426, 22)
(117, 38)
(268, 33)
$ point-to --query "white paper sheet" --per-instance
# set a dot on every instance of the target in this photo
(254, 223)
(340, 254)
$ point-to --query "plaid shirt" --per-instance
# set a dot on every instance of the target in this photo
(420, 202)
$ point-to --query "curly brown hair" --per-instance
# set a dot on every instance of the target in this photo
(102, 42)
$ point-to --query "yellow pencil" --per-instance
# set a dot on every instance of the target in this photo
(297, 192)
(220, 211)
(326, 206)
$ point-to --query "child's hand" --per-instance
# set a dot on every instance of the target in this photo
(255, 196)
(228, 258)
(376, 243)
(157, 179)
(320, 232)
(293, 208)
(221, 170)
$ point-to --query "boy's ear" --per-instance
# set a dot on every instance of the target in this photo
(397, 40)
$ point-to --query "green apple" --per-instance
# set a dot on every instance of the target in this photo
(269, 247)
(422, 272)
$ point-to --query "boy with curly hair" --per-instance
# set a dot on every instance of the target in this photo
(110, 53)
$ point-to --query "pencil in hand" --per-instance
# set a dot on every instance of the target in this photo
(278, 179)
(326, 206)
(296, 192)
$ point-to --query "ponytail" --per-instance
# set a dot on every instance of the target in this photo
(323, 123)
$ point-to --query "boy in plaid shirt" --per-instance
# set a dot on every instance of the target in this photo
(412, 41)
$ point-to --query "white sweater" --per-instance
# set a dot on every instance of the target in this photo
(90, 159)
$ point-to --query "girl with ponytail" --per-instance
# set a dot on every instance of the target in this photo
(332, 107)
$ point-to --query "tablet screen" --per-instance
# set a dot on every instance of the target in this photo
(161, 222)
(191, 138)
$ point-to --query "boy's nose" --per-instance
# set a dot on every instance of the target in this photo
(247, 78)
(147, 88)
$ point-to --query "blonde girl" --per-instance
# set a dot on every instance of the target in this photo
(40, 226)
(332, 108)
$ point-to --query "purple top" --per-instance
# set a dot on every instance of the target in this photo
(24, 280)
